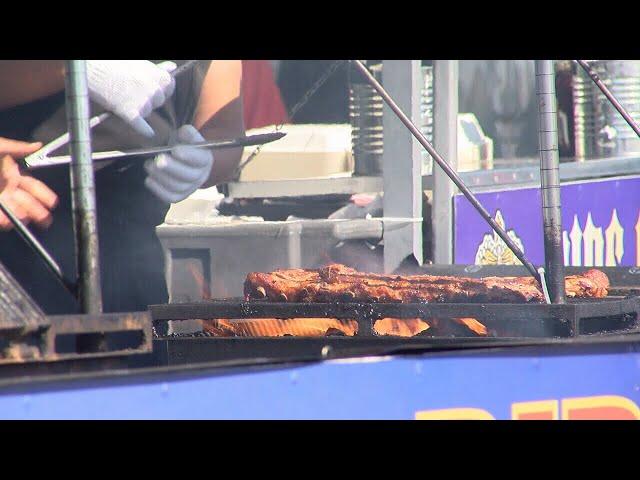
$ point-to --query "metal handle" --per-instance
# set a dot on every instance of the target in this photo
(358, 230)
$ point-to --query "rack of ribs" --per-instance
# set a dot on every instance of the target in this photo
(337, 282)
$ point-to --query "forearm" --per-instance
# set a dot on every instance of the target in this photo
(226, 160)
(219, 115)
(23, 81)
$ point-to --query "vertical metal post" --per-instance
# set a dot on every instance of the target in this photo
(550, 179)
(445, 130)
(453, 175)
(83, 198)
(402, 164)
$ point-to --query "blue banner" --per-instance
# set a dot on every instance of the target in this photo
(600, 219)
(537, 383)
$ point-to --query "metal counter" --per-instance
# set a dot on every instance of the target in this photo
(510, 174)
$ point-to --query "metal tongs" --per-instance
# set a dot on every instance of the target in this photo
(42, 157)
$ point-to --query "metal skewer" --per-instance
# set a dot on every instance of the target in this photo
(455, 178)
(37, 247)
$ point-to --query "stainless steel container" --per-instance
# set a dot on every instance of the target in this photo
(599, 130)
(365, 115)
(426, 115)
(584, 116)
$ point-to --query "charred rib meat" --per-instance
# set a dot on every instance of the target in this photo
(340, 283)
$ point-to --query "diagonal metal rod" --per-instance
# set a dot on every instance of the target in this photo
(607, 93)
(37, 247)
(452, 174)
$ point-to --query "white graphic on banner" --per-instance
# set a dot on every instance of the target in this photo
(590, 247)
(587, 245)
(614, 235)
(493, 250)
(593, 242)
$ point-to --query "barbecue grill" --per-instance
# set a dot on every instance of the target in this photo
(507, 324)
(558, 318)
(556, 321)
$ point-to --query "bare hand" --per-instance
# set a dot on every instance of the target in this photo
(29, 199)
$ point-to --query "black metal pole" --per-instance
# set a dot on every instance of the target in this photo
(452, 174)
(614, 101)
(37, 247)
(550, 179)
(83, 198)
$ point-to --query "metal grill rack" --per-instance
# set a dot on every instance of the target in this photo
(576, 323)
(28, 335)
(503, 320)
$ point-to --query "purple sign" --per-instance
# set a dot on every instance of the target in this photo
(600, 219)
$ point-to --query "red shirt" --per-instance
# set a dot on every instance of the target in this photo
(261, 97)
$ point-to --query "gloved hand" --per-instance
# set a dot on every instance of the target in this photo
(176, 175)
(131, 89)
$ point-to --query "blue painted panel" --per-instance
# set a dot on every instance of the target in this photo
(592, 201)
(385, 388)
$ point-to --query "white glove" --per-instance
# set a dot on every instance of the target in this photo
(176, 175)
(131, 89)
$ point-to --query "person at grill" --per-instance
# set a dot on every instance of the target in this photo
(133, 194)
(28, 198)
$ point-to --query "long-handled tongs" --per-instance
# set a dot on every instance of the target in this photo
(39, 157)
(260, 139)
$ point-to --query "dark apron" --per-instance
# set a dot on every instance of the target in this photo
(131, 257)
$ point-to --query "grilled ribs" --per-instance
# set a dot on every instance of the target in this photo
(340, 283)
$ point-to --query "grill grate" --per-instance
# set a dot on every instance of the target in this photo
(513, 320)
(18, 311)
